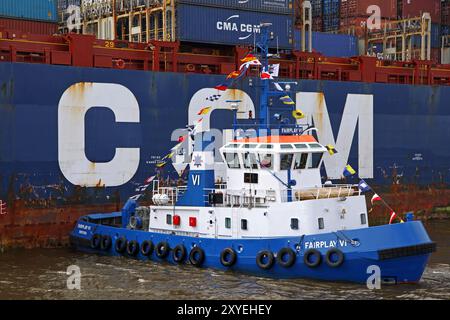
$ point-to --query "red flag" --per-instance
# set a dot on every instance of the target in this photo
(249, 57)
(393, 216)
(222, 87)
(266, 75)
(375, 198)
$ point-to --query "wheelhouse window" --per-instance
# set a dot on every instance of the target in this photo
(301, 159)
(316, 159)
(286, 161)
(266, 160)
(232, 160)
(250, 161)
(232, 146)
(251, 178)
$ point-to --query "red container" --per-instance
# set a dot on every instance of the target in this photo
(358, 8)
(415, 8)
(27, 26)
(445, 13)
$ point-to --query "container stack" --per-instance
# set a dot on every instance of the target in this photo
(29, 16)
(331, 18)
(233, 22)
(355, 14)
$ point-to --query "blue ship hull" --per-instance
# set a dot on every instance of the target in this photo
(411, 126)
(400, 251)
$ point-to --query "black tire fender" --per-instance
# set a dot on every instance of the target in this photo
(197, 256)
(307, 260)
(96, 241)
(162, 249)
(179, 254)
(338, 262)
(120, 245)
(291, 257)
(261, 256)
(132, 248)
(147, 248)
(106, 242)
(228, 257)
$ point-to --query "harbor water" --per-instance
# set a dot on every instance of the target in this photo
(42, 274)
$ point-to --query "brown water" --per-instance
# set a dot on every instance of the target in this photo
(41, 274)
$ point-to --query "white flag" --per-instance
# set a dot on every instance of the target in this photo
(274, 70)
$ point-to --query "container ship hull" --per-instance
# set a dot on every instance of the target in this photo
(77, 140)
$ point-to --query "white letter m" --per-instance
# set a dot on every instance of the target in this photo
(358, 108)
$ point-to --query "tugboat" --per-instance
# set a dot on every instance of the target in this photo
(272, 216)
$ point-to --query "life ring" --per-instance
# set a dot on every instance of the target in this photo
(190, 67)
(314, 263)
(228, 257)
(282, 254)
(147, 248)
(162, 250)
(106, 242)
(121, 245)
(179, 253)
(120, 64)
(132, 248)
(197, 256)
(265, 259)
(330, 261)
(95, 241)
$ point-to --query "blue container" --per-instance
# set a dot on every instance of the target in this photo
(316, 8)
(269, 6)
(230, 27)
(331, 45)
(36, 10)
(436, 37)
(64, 4)
(331, 15)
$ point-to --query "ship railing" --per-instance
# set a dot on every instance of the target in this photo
(263, 198)
(239, 198)
(172, 193)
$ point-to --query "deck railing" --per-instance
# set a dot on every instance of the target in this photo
(258, 197)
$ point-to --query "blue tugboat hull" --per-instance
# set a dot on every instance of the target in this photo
(400, 251)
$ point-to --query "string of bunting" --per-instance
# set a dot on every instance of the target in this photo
(364, 187)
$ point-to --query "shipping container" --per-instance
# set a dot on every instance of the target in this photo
(415, 8)
(40, 10)
(331, 15)
(64, 4)
(436, 37)
(331, 45)
(230, 27)
(269, 6)
(365, 8)
(27, 26)
(445, 12)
